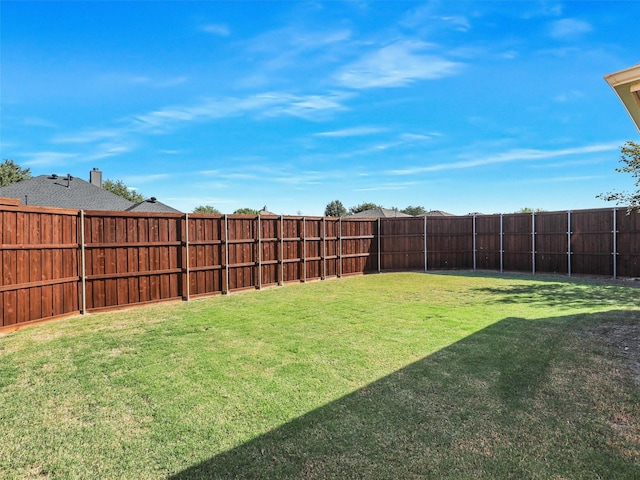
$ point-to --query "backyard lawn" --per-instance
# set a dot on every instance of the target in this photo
(393, 376)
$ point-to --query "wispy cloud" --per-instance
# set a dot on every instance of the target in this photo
(281, 46)
(106, 150)
(302, 178)
(569, 29)
(265, 104)
(141, 80)
(308, 107)
(518, 155)
(418, 137)
(396, 65)
(143, 179)
(352, 132)
(43, 159)
(458, 22)
(217, 29)
(38, 122)
(387, 187)
(290, 53)
(88, 136)
(561, 179)
(569, 96)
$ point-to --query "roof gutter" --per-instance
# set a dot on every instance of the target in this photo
(626, 85)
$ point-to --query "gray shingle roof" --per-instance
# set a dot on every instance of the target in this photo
(58, 191)
(379, 212)
(75, 193)
(438, 213)
(152, 205)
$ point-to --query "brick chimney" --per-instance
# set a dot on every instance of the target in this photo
(95, 177)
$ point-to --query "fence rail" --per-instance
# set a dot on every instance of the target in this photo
(60, 262)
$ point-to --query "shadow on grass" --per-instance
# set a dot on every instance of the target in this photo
(515, 400)
(557, 290)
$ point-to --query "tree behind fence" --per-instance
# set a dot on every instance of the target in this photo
(136, 258)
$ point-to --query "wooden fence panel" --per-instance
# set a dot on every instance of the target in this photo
(132, 258)
(270, 245)
(488, 242)
(292, 249)
(449, 243)
(359, 245)
(206, 254)
(39, 261)
(592, 242)
(332, 227)
(313, 237)
(242, 242)
(517, 242)
(628, 243)
(552, 242)
(402, 243)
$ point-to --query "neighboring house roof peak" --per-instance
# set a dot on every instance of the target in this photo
(67, 191)
(379, 212)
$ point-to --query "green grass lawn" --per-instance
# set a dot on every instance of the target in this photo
(381, 376)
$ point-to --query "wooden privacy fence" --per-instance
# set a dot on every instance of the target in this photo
(60, 262)
(587, 242)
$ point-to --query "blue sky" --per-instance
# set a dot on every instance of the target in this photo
(462, 106)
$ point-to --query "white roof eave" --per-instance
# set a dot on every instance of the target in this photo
(622, 83)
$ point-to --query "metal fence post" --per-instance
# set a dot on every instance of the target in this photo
(259, 235)
(304, 250)
(281, 250)
(533, 242)
(501, 243)
(340, 247)
(83, 265)
(226, 253)
(379, 243)
(475, 247)
(186, 252)
(615, 243)
(425, 244)
(324, 248)
(569, 243)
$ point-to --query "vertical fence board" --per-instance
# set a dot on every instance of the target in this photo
(488, 242)
(551, 242)
(517, 243)
(628, 246)
(592, 242)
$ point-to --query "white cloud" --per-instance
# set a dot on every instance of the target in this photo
(141, 80)
(387, 186)
(458, 22)
(216, 29)
(569, 96)
(309, 107)
(352, 132)
(569, 29)
(38, 122)
(88, 136)
(142, 179)
(418, 137)
(42, 159)
(106, 150)
(396, 65)
(506, 157)
(265, 104)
